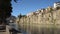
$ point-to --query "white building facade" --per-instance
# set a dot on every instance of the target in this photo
(57, 4)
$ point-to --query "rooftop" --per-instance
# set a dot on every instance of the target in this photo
(57, 2)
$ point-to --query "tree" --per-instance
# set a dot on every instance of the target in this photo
(19, 16)
(5, 9)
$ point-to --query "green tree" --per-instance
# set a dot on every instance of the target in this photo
(19, 16)
(5, 9)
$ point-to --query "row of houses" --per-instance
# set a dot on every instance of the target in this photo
(44, 21)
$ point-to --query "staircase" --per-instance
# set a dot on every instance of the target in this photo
(5, 31)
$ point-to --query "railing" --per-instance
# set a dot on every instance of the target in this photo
(2, 28)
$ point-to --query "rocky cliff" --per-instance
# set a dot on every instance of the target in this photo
(44, 21)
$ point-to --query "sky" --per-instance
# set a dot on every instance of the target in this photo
(26, 6)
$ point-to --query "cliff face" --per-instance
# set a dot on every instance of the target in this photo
(45, 21)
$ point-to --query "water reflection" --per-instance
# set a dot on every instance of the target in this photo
(40, 29)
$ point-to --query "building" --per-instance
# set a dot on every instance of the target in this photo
(29, 14)
(57, 4)
(44, 21)
(11, 19)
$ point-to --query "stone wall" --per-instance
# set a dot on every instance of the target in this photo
(44, 21)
